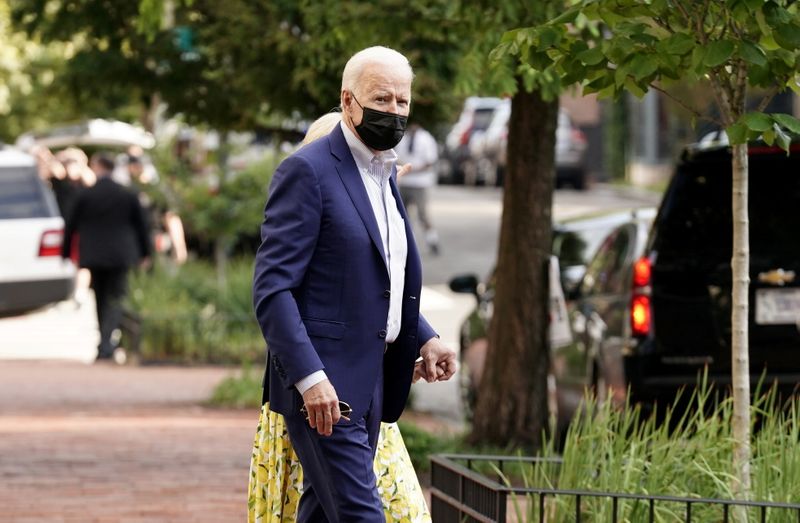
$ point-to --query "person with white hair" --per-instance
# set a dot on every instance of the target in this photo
(336, 292)
(276, 475)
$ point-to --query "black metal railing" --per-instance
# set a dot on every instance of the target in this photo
(462, 494)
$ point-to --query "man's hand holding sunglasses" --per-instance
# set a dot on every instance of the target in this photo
(323, 409)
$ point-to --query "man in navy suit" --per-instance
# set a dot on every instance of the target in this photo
(336, 292)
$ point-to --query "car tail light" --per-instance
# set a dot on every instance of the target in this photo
(640, 302)
(640, 315)
(465, 136)
(641, 273)
(578, 136)
(50, 245)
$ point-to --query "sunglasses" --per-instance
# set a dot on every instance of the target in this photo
(344, 409)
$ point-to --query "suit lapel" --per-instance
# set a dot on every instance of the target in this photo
(351, 178)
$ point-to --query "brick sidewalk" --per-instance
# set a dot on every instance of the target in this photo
(82, 443)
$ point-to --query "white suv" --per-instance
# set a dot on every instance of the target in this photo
(32, 273)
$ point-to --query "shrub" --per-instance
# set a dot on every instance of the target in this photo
(187, 317)
(239, 391)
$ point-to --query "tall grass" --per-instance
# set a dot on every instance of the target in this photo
(685, 452)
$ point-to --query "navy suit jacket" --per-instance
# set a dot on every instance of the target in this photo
(321, 285)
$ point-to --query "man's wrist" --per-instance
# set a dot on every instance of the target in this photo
(309, 381)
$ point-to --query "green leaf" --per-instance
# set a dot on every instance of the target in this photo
(752, 53)
(679, 43)
(607, 92)
(566, 17)
(753, 4)
(767, 41)
(769, 136)
(794, 85)
(620, 75)
(510, 36)
(548, 37)
(762, 76)
(698, 56)
(539, 60)
(757, 121)
(592, 56)
(718, 52)
(775, 14)
(788, 36)
(783, 139)
(634, 88)
(787, 122)
(765, 28)
(611, 18)
(643, 65)
(737, 133)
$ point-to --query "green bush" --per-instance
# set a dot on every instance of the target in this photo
(239, 391)
(187, 317)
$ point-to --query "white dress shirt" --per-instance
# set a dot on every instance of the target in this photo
(375, 170)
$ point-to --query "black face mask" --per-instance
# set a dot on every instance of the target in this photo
(379, 130)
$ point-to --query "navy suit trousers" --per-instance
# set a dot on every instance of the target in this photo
(339, 483)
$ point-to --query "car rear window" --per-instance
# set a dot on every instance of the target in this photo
(22, 195)
(696, 222)
(482, 119)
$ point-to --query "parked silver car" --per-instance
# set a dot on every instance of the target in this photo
(475, 117)
(487, 151)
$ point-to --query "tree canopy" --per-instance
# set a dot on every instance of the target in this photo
(240, 64)
(609, 47)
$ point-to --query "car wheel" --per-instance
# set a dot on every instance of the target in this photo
(579, 180)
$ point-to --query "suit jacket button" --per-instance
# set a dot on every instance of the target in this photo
(382, 333)
(386, 294)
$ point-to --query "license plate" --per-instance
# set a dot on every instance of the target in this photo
(777, 306)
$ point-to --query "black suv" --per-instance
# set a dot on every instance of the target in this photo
(687, 267)
(649, 316)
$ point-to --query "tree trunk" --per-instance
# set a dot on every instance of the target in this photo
(512, 402)
(740, 265)
(732, 95)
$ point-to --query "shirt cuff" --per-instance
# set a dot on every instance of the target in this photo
(309, 381)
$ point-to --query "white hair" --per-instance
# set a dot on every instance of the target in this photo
(372, 55)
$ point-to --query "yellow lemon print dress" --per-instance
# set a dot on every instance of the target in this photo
(276, 478)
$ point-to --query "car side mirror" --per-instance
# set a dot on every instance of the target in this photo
(465, 284)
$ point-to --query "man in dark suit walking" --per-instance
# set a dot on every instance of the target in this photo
(112, 238)
(337, 291)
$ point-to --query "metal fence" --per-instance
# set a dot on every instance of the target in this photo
(462, 494)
